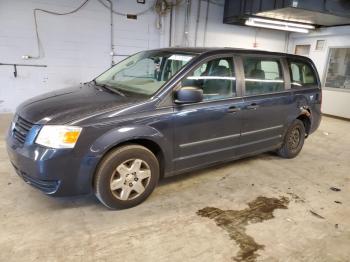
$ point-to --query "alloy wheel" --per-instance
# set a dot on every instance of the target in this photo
(130, 179)
(294, 139)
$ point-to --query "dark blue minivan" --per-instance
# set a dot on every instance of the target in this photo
(163, 112)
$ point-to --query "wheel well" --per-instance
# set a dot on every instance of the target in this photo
(150, 145)
(306, 121)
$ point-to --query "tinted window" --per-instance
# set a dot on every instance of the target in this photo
(262, 75)
(302, 74)
(215, 77)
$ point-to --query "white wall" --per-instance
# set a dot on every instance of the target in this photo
(77, 46)
(335, 101)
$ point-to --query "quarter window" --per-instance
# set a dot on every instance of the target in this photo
(215, 77)
(262, 76)
(301, 74)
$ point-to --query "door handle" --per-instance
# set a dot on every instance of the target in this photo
(233, 109)
(252, 106)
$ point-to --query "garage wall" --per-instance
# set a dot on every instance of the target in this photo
(335, 101)
(223, 35)
(77, 46)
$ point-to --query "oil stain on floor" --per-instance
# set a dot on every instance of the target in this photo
(235, 222)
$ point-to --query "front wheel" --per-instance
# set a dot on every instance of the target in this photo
(293, 140)
(126, 177)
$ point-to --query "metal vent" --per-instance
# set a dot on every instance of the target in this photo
(21, 129)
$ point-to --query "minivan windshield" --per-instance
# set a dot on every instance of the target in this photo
(143, 73)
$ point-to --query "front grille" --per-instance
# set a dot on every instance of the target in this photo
(21, 129)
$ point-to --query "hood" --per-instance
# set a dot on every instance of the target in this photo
(66, 105)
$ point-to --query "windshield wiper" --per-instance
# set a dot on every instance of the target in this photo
(109, 88)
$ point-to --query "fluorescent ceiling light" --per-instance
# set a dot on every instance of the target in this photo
(279, 25)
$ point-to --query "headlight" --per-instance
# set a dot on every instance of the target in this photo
(58, 136)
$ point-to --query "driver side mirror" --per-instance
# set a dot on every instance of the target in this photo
(188, 95)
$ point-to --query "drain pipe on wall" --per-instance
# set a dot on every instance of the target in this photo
(112, 32)
(185, 40)
(171, 26)
(197, 22)
(286, 47)
(206, 23)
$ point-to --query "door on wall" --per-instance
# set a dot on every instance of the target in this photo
(338, 69)
(303, 50)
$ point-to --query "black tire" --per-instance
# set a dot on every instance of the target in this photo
(293, 141)
(107, 169)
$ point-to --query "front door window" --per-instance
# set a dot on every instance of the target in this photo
(215, 77)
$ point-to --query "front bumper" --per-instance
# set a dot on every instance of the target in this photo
(57, 172)
(46, 186)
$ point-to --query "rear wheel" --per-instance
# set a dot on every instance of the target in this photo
(126, 177)
(293, 140)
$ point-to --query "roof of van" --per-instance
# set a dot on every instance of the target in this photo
(213, 50)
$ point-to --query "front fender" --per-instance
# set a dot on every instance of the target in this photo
(123, 134)
(111, 139)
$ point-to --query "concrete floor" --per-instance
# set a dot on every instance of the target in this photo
(35, 227)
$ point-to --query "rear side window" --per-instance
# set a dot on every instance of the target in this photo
(262, 75)
(301, 74)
